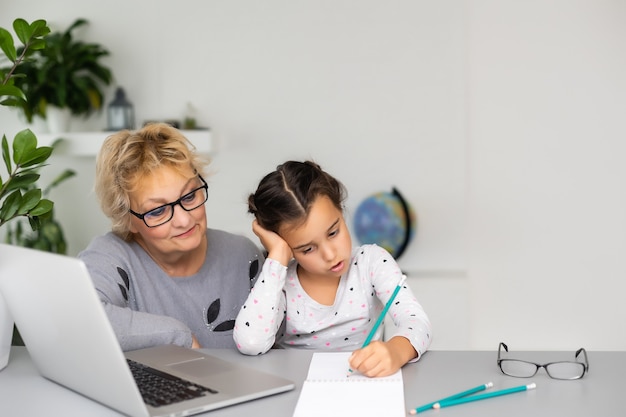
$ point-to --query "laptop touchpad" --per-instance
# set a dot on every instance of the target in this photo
(201, 367)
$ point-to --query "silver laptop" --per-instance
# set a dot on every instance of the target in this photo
(70, 340)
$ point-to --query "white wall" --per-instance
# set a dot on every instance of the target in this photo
(356, 87)
(498, 120)
(547, 197)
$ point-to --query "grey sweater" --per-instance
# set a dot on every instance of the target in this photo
(147, 307)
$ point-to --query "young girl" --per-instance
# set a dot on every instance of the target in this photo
(315, 291)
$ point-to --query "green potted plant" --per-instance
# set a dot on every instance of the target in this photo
(23, 158)
(66, 74)
(40, 232)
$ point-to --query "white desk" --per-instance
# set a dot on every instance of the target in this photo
(439, 374)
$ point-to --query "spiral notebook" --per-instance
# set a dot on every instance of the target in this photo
(329, 392)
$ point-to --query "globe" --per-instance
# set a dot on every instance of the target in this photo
(387, 220)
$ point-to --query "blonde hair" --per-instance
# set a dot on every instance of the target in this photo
(128, 156)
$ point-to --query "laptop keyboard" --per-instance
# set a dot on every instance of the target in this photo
(159, 388)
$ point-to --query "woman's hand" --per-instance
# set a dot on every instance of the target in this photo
(276, 247)
(194, 342)
(382, 358)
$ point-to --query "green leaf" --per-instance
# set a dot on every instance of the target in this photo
(11, 90)
(43, 207)
(36, 156)
(6, 156)
(46, 216)
(10, 205)
(7, 45)
(39, 28)
(30, 33)
(77, 23)
(37, 44)
(68, 173)
(30, 199)
(24, 142)
(22, 30)
(22, 181)
(11, 102)
(35, 223)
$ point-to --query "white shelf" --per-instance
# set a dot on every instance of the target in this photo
(88, 143)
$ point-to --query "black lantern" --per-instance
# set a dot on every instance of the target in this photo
(120, 112)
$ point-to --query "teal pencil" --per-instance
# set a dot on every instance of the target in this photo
(470, 391)
(381, 317)
(484, 396)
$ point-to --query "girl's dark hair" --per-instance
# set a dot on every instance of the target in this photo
(286, 195)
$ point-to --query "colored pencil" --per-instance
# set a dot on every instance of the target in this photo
(452, 397)
(381, 317)
(464, 400)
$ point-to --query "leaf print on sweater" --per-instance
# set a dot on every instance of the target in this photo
(254, 269)
(213, 311)
(126, 287)
(211, 315)
(225, 326)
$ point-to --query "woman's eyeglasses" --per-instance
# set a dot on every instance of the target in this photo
(556, 370)
(163, 214)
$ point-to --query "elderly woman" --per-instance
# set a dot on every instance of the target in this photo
(162, 276)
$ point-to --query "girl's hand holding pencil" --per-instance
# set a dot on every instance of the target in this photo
(380, 359)
(377, 359)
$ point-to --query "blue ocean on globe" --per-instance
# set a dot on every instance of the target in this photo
(386, 219)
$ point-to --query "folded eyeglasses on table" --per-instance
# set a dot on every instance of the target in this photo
(567, 370)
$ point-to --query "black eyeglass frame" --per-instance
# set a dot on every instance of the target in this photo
(545, 365)
(173, 204)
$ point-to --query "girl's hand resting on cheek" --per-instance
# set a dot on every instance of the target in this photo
(380, 359)
(276, 247)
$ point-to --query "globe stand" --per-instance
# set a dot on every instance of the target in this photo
(409, 225)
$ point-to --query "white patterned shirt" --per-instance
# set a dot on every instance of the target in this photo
(279, 312)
